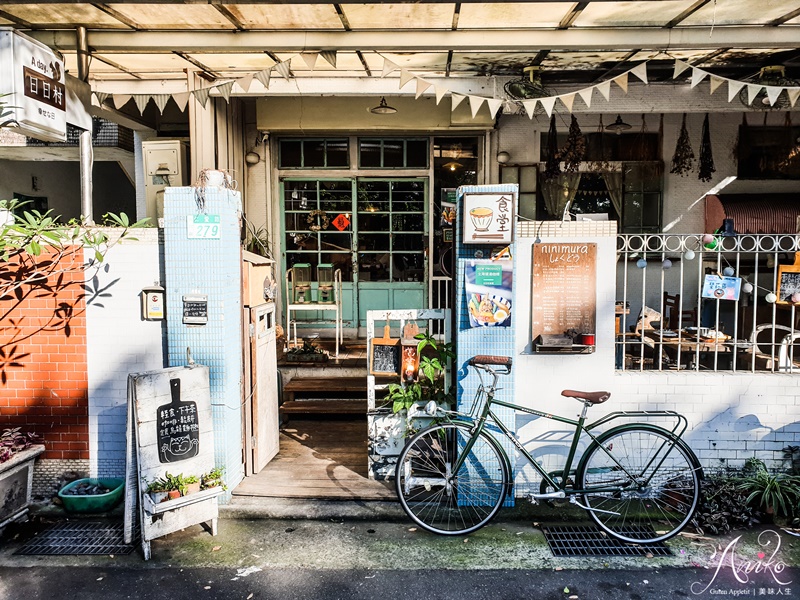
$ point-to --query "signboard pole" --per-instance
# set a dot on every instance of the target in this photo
(86, 151)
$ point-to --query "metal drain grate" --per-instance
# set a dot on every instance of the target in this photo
(87, 537)
(591, 541)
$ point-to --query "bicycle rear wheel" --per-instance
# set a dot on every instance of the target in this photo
(652, 480)
(440, 500)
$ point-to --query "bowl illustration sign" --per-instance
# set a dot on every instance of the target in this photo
(481, 217)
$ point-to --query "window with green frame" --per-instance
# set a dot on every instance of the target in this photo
(393, 153)
(308, 153)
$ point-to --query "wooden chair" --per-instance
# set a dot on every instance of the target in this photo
(672, 304)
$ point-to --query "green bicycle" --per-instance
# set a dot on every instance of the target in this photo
(638, 481)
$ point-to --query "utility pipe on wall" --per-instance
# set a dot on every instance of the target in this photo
(86, 151)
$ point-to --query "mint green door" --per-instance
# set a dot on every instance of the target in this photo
(373, 229)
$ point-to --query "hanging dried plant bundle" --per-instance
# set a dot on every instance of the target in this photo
(706, 157)
(684, 155)
(552, 168)
(575, 149)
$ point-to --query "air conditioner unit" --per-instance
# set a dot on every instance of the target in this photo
(164, 166)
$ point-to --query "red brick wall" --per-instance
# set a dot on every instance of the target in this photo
(43, 367)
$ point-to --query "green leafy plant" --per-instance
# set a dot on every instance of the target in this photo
(778, 492)
(792, 454)
(213, 479)
(434, 361)
(5, 113)
(722, 505)
(158, 485)
(257, 240)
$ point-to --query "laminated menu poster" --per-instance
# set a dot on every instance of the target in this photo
(489, 286)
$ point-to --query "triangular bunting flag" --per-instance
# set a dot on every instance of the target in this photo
(494, 105)
(586, 96)
(405, 77)
(793, 94)
(201, 95)
(680, 67)
(604, 88)
(715, 82)
(101, 97)
(530, 107)
(697, 76)
(310, 58)
(734, 87)
(440, 92)
(161, 101)
(568, 100)
(141, 101)
(475, 103)
(244, 82)
(283, 68)
(120, 100)
(388, 67)
(330, 56)
(640, 71)
(225, 91)
(455, 100)
(773, 91)
(422, 85)
(181, 100)
(264, 76)
(622, 81)
(752, 91)
(548, 104)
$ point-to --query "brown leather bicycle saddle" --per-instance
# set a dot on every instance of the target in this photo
(593, 397)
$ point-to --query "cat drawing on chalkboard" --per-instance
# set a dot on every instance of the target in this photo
(179, 446)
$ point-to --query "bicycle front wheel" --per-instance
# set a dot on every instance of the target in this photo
(642, 484)
(441, 500)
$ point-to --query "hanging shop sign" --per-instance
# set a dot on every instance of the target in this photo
(33, 81)
(489, 218)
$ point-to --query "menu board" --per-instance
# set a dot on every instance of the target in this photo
(788, 282)
(564, 284)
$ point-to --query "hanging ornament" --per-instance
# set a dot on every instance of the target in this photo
(552, 167)
(666, 264)
(728, 271)
(795, 298)
(641, 263)
(683, 158)
(709, 241)
(771, 298)
(575, 149)
(706, 156)
(747, 288)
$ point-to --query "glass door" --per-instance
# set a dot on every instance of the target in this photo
(391, 217)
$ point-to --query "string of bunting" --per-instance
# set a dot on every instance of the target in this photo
(548, 104)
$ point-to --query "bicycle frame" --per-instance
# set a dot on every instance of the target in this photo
(486, 415)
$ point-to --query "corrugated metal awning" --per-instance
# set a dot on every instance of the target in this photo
(754, 213)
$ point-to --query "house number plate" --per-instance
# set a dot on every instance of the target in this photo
(203, 227)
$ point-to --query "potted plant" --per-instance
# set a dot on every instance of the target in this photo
(158, 490)
(434, 357)
(776, 493)
(308, 352)
(176, 485)
(212, 479)
(192, 483)
(18, 451)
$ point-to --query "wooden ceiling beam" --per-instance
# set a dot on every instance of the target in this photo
(784, 18)
(686, 13)
(117, 66)
(16, 20)
(125, 20)
(205, 72)
(232, 18)
(364, 64)
(573, 14)
(617, 66)
(342, 17)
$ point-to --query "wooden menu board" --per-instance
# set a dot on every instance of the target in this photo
(564, 284)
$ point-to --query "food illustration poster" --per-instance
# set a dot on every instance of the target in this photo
(489, 218)
(489, 286)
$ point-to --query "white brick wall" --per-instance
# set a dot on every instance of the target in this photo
(732, 416)
(119, 342)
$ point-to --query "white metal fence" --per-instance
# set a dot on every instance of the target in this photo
(670, 318)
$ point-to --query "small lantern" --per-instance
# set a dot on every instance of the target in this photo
(325, 281)
(301, 283)
(409, 359)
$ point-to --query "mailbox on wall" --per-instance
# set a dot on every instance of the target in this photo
(153, 303)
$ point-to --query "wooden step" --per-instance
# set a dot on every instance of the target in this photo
(325, 385)
(339, 407)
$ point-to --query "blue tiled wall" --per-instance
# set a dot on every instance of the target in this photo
(497, 341)
(211, 267)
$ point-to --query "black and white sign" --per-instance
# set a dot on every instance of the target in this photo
(178, 427)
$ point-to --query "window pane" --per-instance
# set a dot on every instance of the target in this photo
(295, 221)
(340, 261)
(369, 153)
(335, 197)
(393, 153)
(291, 153)
(509, 174)
(651, 211)
(374, 242)
(633, 210)
(337, 153)
(373, 222)
(527, 179)
(417, 153)
(404, 222)
(292, 258)
(407, 267)
(373, 196)
(314, 153)
(373, 266)
(406, 241)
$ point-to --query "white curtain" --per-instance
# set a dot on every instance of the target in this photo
(613, 181)
(559, 192)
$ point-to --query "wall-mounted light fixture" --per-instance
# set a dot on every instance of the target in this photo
(503, 157)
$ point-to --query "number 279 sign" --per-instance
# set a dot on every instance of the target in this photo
(203, 227)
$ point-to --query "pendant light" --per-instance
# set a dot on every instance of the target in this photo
(383, 108)
(618, 126)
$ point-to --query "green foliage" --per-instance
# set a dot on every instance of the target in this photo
(158, 485)
(5, 113)
(212, 479)
(792, 454)
(308, 347)
(777, 491)
(257, 240)
(722, 506)
(434, 361)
